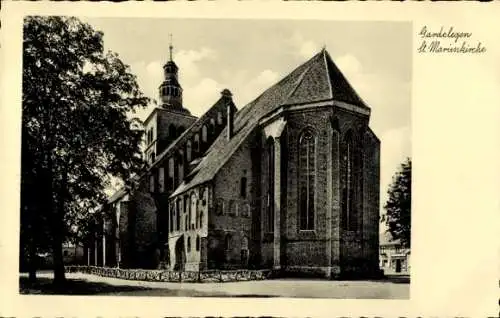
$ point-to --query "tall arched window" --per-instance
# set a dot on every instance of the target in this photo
(211, 129)
(188, 151)
(171, 131)
(193, 211)
(171, 218)
(349, 213)
(243, 187)
(171, 173)
(196, 142)
(307, 178)
(204, 133)
(270, 177)
(180, 130)
(197, 242)
(227, 242)
(178, 215)
(189, 244)
(180, 163)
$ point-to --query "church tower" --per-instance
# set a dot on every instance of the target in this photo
(170, 91)
(170, 119)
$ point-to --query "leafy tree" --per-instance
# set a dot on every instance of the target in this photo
(398, 206)
(76, 130)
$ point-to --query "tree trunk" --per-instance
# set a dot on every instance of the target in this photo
(33, 258)
(59, 277)
(57, 232)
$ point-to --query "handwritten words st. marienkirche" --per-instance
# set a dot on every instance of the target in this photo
(448, 40)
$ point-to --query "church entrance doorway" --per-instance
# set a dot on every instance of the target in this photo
(180, 254)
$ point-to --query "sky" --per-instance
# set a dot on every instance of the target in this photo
(248, 56)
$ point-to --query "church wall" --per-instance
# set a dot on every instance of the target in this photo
(307, 248)
(371, 199)
(196, 200)
(152, 124)
(359, 247)
(231, 217)
(145, 228)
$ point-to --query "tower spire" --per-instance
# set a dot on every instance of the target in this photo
(170, 47)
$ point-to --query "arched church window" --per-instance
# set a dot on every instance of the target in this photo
(188, 151)
(193, 212)
(171, 173)
(197, 142)
(243, 187)
(227, 242)
(151, 183)
(201, 219)
(307, 178)
(178, 214)
(211, 129)
(204, 133)
(219, 204)
(349, 213)
(189, 244)
(269, 226)
(171, 131)
(180, 166)
(171, 218)
(197, 242)
(219, 118)
(161, 179)
(180, 130)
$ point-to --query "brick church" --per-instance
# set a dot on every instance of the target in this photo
(289, 182)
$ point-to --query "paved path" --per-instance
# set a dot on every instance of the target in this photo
(300, 288)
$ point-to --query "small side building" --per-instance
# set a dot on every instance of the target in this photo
(394, 258)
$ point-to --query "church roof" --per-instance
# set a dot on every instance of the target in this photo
(317, 80)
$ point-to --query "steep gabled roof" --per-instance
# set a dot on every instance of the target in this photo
(316, 80)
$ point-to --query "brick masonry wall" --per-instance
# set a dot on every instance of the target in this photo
(307, 248)
(145, 238)
(198, 201)
(328, 246)
(234, 219)
(371, 199)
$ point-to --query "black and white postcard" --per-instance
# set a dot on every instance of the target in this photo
(249, 159)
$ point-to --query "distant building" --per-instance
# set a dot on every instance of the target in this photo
(394, 258)
(289, 182)
(73, 254)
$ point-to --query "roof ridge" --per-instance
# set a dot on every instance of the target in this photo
(298, 82)
(325, 53)
(349, 88)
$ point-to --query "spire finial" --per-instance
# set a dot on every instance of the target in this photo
(171, 47)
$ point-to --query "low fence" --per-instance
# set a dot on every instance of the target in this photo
(173, 276)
